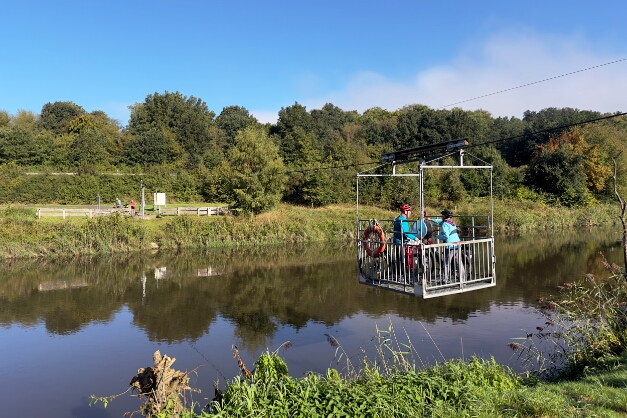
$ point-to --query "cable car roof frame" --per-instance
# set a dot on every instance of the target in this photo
(454, 147)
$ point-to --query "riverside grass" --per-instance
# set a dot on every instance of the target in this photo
(23, 236)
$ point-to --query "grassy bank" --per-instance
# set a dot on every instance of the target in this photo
(23, 235)
(586, 374)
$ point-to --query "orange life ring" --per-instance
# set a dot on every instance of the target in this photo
(377, 229)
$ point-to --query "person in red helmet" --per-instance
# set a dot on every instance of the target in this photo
(402, 233)
(405, 241)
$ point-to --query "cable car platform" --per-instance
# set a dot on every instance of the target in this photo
(392, 255)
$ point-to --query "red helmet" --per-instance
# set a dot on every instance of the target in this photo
(405, 207)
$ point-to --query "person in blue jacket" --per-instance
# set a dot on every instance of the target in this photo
(448, 234)
(404, 239)
(402, 233)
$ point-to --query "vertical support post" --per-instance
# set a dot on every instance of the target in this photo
(38, 213)
(178, 211)
(143, 199)
(63, 213)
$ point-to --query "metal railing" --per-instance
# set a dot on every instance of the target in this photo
(425, 268)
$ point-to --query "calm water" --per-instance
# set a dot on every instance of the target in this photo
(69, 330)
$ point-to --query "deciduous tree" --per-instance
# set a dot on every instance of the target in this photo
(57, 116)
(188, 118)
(254, 171)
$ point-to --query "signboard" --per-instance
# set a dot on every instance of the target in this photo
(159, 199)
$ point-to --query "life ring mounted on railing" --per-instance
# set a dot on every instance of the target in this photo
(381, 235)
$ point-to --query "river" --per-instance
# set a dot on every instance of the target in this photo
(72, 329)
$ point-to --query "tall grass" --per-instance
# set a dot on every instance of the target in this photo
(584, 331)
(389, 385)
(23, 235)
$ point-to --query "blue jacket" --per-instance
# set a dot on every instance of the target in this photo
(401, 230)
(448, 232)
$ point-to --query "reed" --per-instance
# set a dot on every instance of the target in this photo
(584, 331)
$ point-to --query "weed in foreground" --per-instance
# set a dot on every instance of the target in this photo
(584, 330)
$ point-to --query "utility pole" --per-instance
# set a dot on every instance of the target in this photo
(143, 196)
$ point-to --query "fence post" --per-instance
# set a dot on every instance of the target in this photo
(178, 211)
(63, 213)
(38, 213)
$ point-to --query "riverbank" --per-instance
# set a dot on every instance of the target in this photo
(477, 388)
(24, 236)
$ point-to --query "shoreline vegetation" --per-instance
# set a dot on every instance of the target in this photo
(24, 236)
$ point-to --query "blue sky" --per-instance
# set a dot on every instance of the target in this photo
(107, 55)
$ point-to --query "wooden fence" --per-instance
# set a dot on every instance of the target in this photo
(193, 211)
(66, 212)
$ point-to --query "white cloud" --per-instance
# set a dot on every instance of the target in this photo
(503, 62)
(266, 116)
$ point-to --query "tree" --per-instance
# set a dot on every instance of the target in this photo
(23, 147)
(88, 150)
(330, 119)
(623, 208)
(254, 171)
(558, 170)
(152, 147)
(5, 118)
(477, 182)
(420, 125)
(114, 139)
(189, 119)
(294, 122)
(568, 166)
(56, 116)
(26, 120)
(233, 119)
(541, 126)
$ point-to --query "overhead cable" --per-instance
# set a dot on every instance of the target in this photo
(535, 82)
(557, 128)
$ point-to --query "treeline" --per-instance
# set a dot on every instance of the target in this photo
(177, 145)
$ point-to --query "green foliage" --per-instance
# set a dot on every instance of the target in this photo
(558, 172)
(586, 324)
(232, 120)
(188, 119)
(255, 172)
(56, 117)
(4, 118)
(152, 147)
(453, 386)
(23, 147)
(88, 149)
(177, 135)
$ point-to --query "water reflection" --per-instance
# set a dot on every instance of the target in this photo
(175, 297)
(106, 315)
